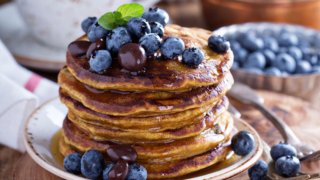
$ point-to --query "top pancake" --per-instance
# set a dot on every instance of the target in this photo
(160, 75)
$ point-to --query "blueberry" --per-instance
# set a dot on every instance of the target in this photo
(271, 44)
(107, 169)
(117, 38)
(218, 44)
(157, 28)
(101, 61)
(313, 60)
(87, 23)
(269, 55)
(253, 70)
(284, 62)
(281, 149)
(252, 43)
(92, 163)
(235, 45)
(258, 171)
(138, 27)
(288, 39)
(272, 71)
(240, 55)
(72, 163)
(255, 60)
(287, 166)
(96, 32)
(172, 47)
(235, 65)
(156, 15)
(303, 67)
(192, 57)
(151, 43)
(137, 171)
(315, 69)
(295, 52)
(242, 143)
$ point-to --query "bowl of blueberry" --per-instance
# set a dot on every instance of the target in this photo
(278, 57)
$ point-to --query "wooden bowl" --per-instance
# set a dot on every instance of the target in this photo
(226, 12)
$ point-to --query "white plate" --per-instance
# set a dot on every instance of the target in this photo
(47, 120)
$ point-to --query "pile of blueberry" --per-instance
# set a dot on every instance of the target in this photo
(92, 165)
(286, 163)
(280, 53)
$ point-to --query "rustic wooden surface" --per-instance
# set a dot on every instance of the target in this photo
(303, 119)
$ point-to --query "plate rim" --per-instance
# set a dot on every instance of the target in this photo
(63, 174)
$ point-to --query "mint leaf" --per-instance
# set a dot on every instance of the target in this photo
(110, 20)
(130, 10)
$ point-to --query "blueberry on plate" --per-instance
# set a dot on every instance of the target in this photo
(253, 70)
(313, 59)
(192, 57)
(315, 69)
(284, 62)
(72, 163)
(156, 28)
(242, 143)
(287, 39)
(255, 60)
(252, 43)
(295, 52)
(87, 23)
(269, 55)
(271, 43)
(137, 171)
(107, 169)
(282, 149)
(138, 27)
(272, 71)
(100, 61)
(96, 32)
(156, 15)
(218, 44)
(287, 166)
(303, 67)
(172, 47)
(150, 42)
(258, 171)
(240, 55)
(92, 164)
(117, 38)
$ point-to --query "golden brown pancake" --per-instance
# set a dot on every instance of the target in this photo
(160, 75)
(143, 104)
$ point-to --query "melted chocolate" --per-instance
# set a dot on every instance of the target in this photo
(119, 171)
(98, 45)
(132, 57)
(78, 48)
(122, 152)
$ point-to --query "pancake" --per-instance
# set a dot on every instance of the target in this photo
(142, 104)
(160, 75)
(152, 124)
(156, 152)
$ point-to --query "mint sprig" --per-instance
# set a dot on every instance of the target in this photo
(121, 16)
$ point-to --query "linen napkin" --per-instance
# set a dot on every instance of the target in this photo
(21, 91)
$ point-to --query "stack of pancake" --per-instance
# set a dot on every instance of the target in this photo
(174, 116)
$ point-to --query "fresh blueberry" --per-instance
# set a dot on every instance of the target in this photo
(72, 163)
(138, 27)
(303, 67)
(137, 171)
(287, 166)
(315, 69)
(253, 70)
(252, 43)
(92, 164)
(235, 65)
(295, 52)
(269, 55)
(258, 171)
(282, 149)
(151, 43)
(192, 57)
(288, 39)
(272, 71)
(242, 143)
(100, 61)
(240, 55)
(107, 169)
(117, 38)
(87, 23)
(235, 45)
(96, 32)
(156, 15)
(256, 60)
(157, 28)
(218, 44)
(271, 44)
(313, 59)
(284, 62)
(172, 47)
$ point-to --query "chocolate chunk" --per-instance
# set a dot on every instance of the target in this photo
(119, 171)
(98, 45)
(132, 57)
(78, 48)
(122, 152)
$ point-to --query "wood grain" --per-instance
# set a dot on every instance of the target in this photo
(303, 119)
